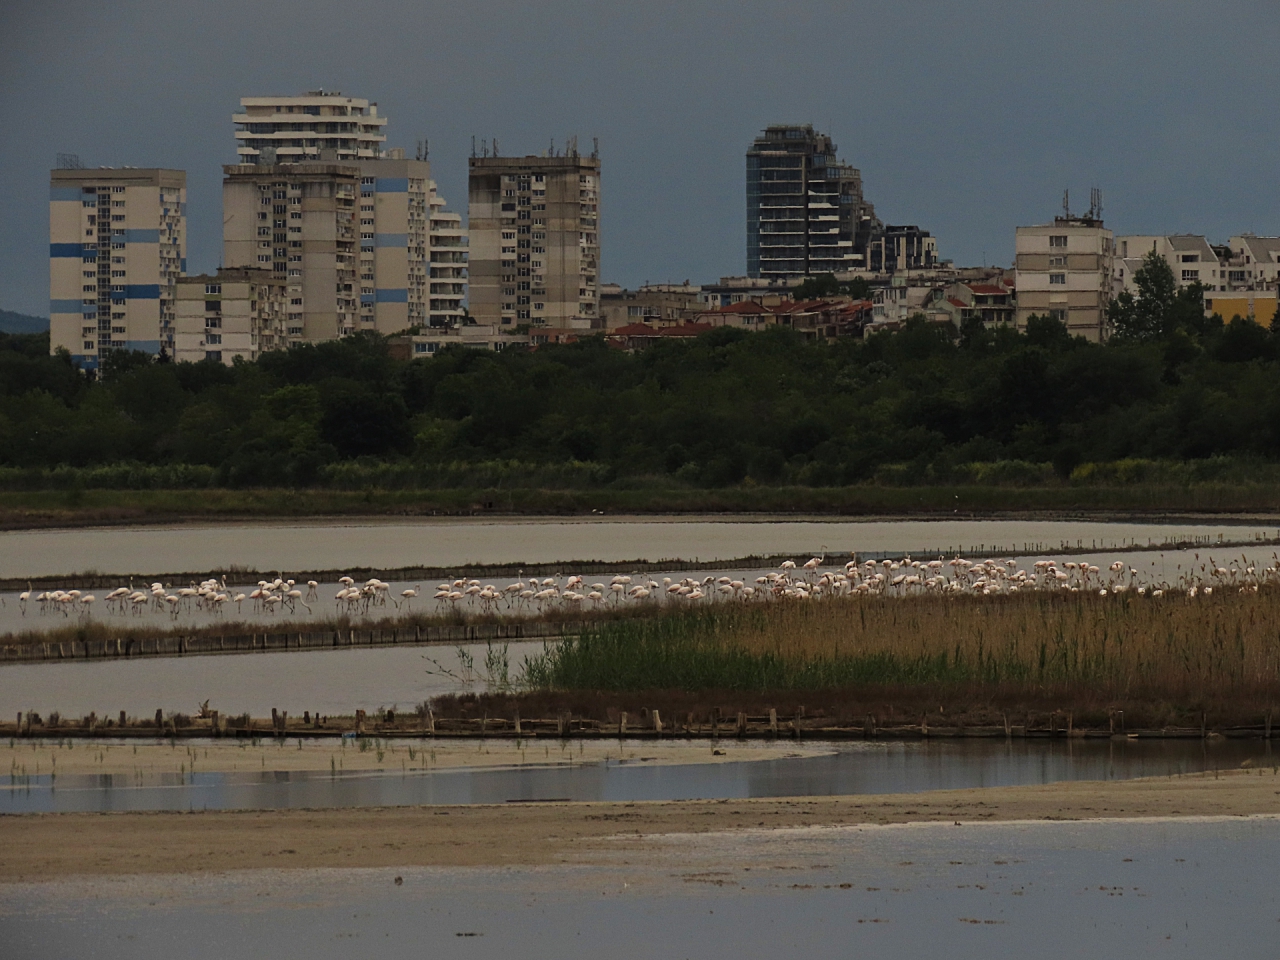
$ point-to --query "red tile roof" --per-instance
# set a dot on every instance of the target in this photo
(746, 306)
(957, 303)
(685, 330)
(634, 330)
(986, 289)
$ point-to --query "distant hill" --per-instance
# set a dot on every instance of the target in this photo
(11, 322)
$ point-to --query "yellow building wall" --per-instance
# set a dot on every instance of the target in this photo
(1260, 307)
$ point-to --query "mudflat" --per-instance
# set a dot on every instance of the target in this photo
(46, 846)
(119, 757)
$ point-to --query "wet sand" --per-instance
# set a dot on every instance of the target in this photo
(46, 846)
(75, 757)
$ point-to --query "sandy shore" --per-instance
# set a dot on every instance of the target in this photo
(45, 846)
(72, 757)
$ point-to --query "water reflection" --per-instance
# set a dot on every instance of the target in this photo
(860, 768)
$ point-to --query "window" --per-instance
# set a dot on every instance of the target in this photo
(1190, 274)
(213, 288)
(88, 344)
(213, 323)
(538, 306)
(1058, 278)
(1059, 315)
(1191, 258)
(1057, 240)
(295, 301)
(215, 355)
(1057, 261)
(295, 215)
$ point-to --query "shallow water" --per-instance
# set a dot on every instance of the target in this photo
(850, 768)
(1153, 566)
(308, 545)
(1183, 889)
(327, 682)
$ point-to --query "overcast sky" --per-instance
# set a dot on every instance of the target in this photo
(967, 118)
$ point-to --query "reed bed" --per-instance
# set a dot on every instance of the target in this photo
(1124, 646)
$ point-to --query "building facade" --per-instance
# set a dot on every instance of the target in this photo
(1064, 271)
(806, 214)
(902, 248)
(447, 244)
(300, 221)
(117, 245)
(317, 126)
(237, 313)
(534, 240)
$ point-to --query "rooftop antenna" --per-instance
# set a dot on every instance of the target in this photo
(473, 145)
(495, 146)
(595, 148)
(1066, 204)
(553, 146)
(1095, 203)
(69, 161)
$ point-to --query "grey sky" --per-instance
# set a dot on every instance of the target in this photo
(967, 118)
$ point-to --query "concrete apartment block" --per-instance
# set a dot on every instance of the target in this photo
(393, 261)
(237, 313)
(535, 247)
(316, 126)
(1063, 270)
(117, 245)
(299, 221)
(805, 211)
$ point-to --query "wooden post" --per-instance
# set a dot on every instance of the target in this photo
(715, 723)
(1071, 723)
(622, 724)
(868, 727)
(1111, 722)
(1053, 724)
(1204, 725)
(1008, 733)
(795, 723)
(657, 723)
(1121, 722)
(484, 722)
(1268, 726)
(159, 718)
(517, 723)
(359, 722)
(123, 719)
(742, 724)
(924, 726)
(773, 722)
(431, 721)
(562, 728)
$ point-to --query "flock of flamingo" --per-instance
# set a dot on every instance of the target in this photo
(214, 596)
(807, 581)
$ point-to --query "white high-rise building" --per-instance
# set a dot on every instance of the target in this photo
(117, 246)
(316, 126)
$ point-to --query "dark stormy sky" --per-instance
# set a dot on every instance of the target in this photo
(968, 118)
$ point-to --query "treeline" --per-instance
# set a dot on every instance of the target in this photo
(922, 405)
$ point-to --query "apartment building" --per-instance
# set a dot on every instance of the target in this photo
(902, 248)
(663, 304)
(300, 221)
(117, 245)
(317, 126)
(806, 214)
(1063, 270)
(237, 313)
(1240, 277)
(447, 242)
(1191, 258)
(535, 240)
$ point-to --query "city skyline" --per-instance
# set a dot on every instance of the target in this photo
(967, 146)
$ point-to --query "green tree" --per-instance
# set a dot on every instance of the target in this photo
(1160, 308)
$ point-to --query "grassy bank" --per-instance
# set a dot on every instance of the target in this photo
(1164, 661)
(76, 507)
